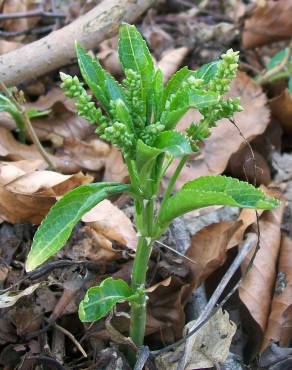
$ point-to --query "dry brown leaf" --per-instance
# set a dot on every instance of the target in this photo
(7, 46)
(208, 249)
(209, 345)
(279, 328)
(165, 309)
(9, 171)
(29, 197)
(281, 109)
(170, 61)
(257, 288)
(109, 56)
(112, 223)
(115, 168)
(268, 23)
(225, 139)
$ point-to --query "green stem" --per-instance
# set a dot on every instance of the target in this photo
(138, 308)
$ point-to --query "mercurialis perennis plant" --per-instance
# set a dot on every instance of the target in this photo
(139, 116)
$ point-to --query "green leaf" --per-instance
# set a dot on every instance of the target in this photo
(214, 190)
(63, 216)
(174, 143)
(102, 84)
(277, 58)
(174, 83)
(290, 85)
(207, 72)
(99, 300)
(158, 94)
(35, 113)
(134, 54)
(182, 101)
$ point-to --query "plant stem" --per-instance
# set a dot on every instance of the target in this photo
(138, 308)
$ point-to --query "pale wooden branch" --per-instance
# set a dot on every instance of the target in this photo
(57, 49)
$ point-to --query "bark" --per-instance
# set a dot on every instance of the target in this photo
(57, 49)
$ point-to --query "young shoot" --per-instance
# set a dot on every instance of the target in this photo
(139, 116)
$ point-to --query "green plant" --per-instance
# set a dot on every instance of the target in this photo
(139, 117)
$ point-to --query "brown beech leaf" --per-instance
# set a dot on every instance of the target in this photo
(109, 57)
(208, 249)
(29, 197)
(256, 290)
(209, 345)
(6, 46)
(115, 168)
(279, 328)
(225, 139)
(165, 309)
(170, 61)
(112, 223)
(268, 23)
(281, 109)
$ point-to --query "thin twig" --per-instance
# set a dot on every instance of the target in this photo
(31, 14)
(176, 252)
(27, 31)
(73, 339)
(28, 126)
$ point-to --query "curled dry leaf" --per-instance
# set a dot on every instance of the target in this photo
(281, 109)
(257, 288)
(225, 139)
(279, 328)
(210, 345)
(9, 299)
(208, 249)
(112, 223)
(28, 197)
(268, 23)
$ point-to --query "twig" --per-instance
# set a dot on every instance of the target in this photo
(210, 309)
(268, 75)
(48, 53)
(28, 126)
(176, 252)
(31, 14)
(27, 31)
(73, 339)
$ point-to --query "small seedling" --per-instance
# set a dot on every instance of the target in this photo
(139, 117)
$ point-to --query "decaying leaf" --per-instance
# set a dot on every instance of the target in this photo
(257, 288)
(281, 108)
(9, 299)
(109, 221)
(270, 22)
(115, 168)
(210, 345)
(279, 328)
(171, 60)
(27, 197)
(225, 139)
(208, 249)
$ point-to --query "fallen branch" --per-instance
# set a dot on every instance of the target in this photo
(57, 49)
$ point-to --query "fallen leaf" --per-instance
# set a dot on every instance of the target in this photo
(115, 168)
(209, 345)
(281, 109)
(268, 23)
(276, 358)
(279, 328)
(170, 61)
(225, 139)
(256, 290)
(165, 309)
(29, 197)
(208, 249)
(7, 46)
(9, 299)
(109, 221)
(9, 171)
(109, 57)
